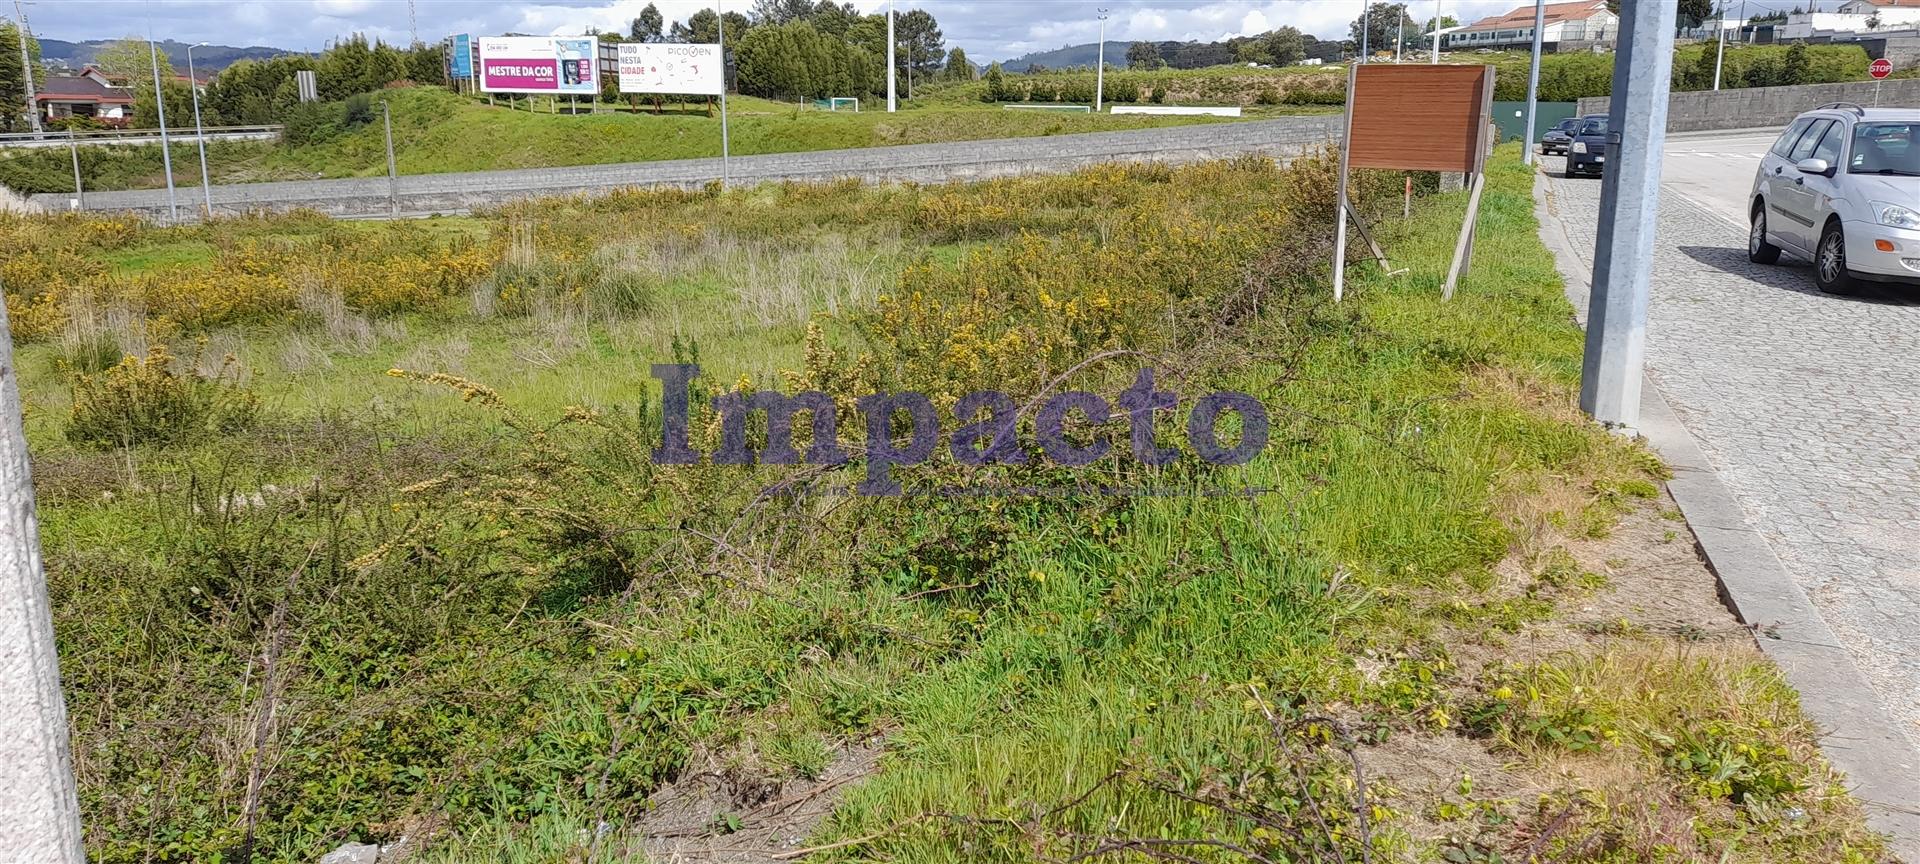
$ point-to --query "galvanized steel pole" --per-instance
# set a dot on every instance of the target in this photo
(890, 99)
(393, 173)
(166, 146)
(1611, 371)
(200, 131)
(720, 15)
(1533, 81)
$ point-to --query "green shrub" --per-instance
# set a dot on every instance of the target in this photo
(144, 401)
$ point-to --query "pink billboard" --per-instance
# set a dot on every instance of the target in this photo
(538, 64)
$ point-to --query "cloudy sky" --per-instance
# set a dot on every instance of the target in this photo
(988, 29)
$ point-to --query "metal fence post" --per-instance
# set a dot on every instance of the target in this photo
(1611, 371)
(39, 812)
(393, 174)
(79, 194)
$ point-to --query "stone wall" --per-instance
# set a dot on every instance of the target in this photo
(1766, 107)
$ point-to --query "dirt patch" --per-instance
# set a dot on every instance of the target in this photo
(714, 815)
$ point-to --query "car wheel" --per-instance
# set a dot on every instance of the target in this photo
(1759, 251)
(1830, 262)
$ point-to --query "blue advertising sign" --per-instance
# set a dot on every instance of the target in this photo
(463, 56)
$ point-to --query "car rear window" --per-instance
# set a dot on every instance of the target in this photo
(1785, 145)
(1886, 148)
(1804, 147)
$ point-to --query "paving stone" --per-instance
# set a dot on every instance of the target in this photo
(1808, 406)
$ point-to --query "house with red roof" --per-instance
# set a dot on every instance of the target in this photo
(91, 93)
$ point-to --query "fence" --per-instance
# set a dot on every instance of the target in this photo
(132, 136)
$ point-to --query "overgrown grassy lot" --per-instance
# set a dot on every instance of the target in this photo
(373, 548)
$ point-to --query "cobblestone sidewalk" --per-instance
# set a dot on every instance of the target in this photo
(1808, 406)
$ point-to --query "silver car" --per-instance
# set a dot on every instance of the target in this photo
(1841, 188)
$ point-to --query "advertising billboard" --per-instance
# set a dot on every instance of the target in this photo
(538, 64)
(670, 68)
(462, 56)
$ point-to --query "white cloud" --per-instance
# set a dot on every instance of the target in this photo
(341, 8)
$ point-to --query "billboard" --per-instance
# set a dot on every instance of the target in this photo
(462, 56)
(538, 64)
(670, 68)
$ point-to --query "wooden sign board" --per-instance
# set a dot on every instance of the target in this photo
(1415, 117)
(1419, 117)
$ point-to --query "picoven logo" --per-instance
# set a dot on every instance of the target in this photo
(985, 427)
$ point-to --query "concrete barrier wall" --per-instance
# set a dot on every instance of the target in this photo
(1756, 107)
(925, 163)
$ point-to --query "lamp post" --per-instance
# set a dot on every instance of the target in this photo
(199, 131)
(166, 145)
(1720, 46)
(1366, 27)
(890, 99)
(1100, 65)
(1436, 32)
(1533, 79)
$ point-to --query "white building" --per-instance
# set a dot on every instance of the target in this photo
(1587, 21)
(1853, 17)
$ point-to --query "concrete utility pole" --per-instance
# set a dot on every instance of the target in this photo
(1611, 371)
(890, 100)
(200, 131)
(1533, 80)
(39, 813)
(1100, 65)
(26, 68)
(166, 146)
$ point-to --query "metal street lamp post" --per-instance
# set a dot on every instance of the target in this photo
(199, 131)
(1100, 65)
(166, 144)
(1533, 80)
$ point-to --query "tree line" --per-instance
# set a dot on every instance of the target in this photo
(812, 49)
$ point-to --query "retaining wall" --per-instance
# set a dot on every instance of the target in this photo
(1756, 107)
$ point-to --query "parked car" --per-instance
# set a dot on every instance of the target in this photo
(1587, 149)
(1560, 137)
(1841, 188)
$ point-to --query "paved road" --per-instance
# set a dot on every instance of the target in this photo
(1807, 405)
(959, 160)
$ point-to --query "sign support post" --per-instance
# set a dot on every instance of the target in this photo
(720, 16)
(1456, 102)
(1340, 193)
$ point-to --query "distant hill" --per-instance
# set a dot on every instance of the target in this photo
(208, 58)
(1069, 55)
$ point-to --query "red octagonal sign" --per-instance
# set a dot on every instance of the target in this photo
(1880, 68)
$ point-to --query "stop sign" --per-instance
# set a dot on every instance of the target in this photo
(1880, 68)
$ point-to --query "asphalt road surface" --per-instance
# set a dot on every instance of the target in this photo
(1808, 405)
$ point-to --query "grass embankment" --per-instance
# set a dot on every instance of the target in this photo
(312, 602)
(438, 132)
